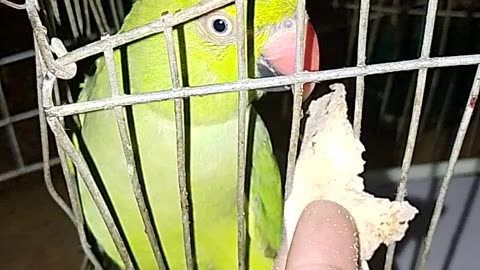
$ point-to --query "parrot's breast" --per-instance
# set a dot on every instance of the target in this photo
(211, 174)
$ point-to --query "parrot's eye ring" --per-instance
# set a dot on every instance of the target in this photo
(219, 25)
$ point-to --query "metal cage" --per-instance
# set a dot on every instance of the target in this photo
(54, 62)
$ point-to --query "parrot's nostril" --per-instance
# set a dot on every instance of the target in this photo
(288, 23)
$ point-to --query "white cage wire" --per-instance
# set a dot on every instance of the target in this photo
(55, 62)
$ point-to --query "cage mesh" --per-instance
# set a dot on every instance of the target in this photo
(55, 64)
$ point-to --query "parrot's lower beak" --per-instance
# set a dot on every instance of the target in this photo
(278, 54)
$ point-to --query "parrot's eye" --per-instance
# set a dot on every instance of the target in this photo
(220, 25)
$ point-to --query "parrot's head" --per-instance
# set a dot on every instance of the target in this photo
(209, 45)
(271, 25)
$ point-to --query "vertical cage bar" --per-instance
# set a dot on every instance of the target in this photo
(180, 139)
(297, 95)
(56, 12)
(75, 214)
(44, 139)
(77, 211)
(43, 44)
(12, 138)
(361, 60)
(71, 19)
(474, 131)
(417, 109)
(96, 16)
(130, 159)
(375, 27)
(103, 17)
(116, 19)
(56, 96)
(84, 172)
(457, 147)
(436, 75)
(401, 137)
(82, 167)
(78, 15)
(120, 9)
(352, 34)
(86, 13)
(429, 28)
(390, 77)
(241, 147)
(72, 189)
(401, 125)
(432, 150)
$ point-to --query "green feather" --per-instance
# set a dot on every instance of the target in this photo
(213, 156)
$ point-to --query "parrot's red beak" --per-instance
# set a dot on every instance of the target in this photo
(279, 53)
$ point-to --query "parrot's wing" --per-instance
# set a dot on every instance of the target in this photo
(71, 167)
(266, 199)
(86, 88)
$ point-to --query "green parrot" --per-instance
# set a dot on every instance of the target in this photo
(210, 46)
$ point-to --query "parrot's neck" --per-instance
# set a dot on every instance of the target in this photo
(196, 114)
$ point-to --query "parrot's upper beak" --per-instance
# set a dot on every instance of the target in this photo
(278, 54)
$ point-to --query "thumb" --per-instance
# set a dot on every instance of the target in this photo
(325, 238)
